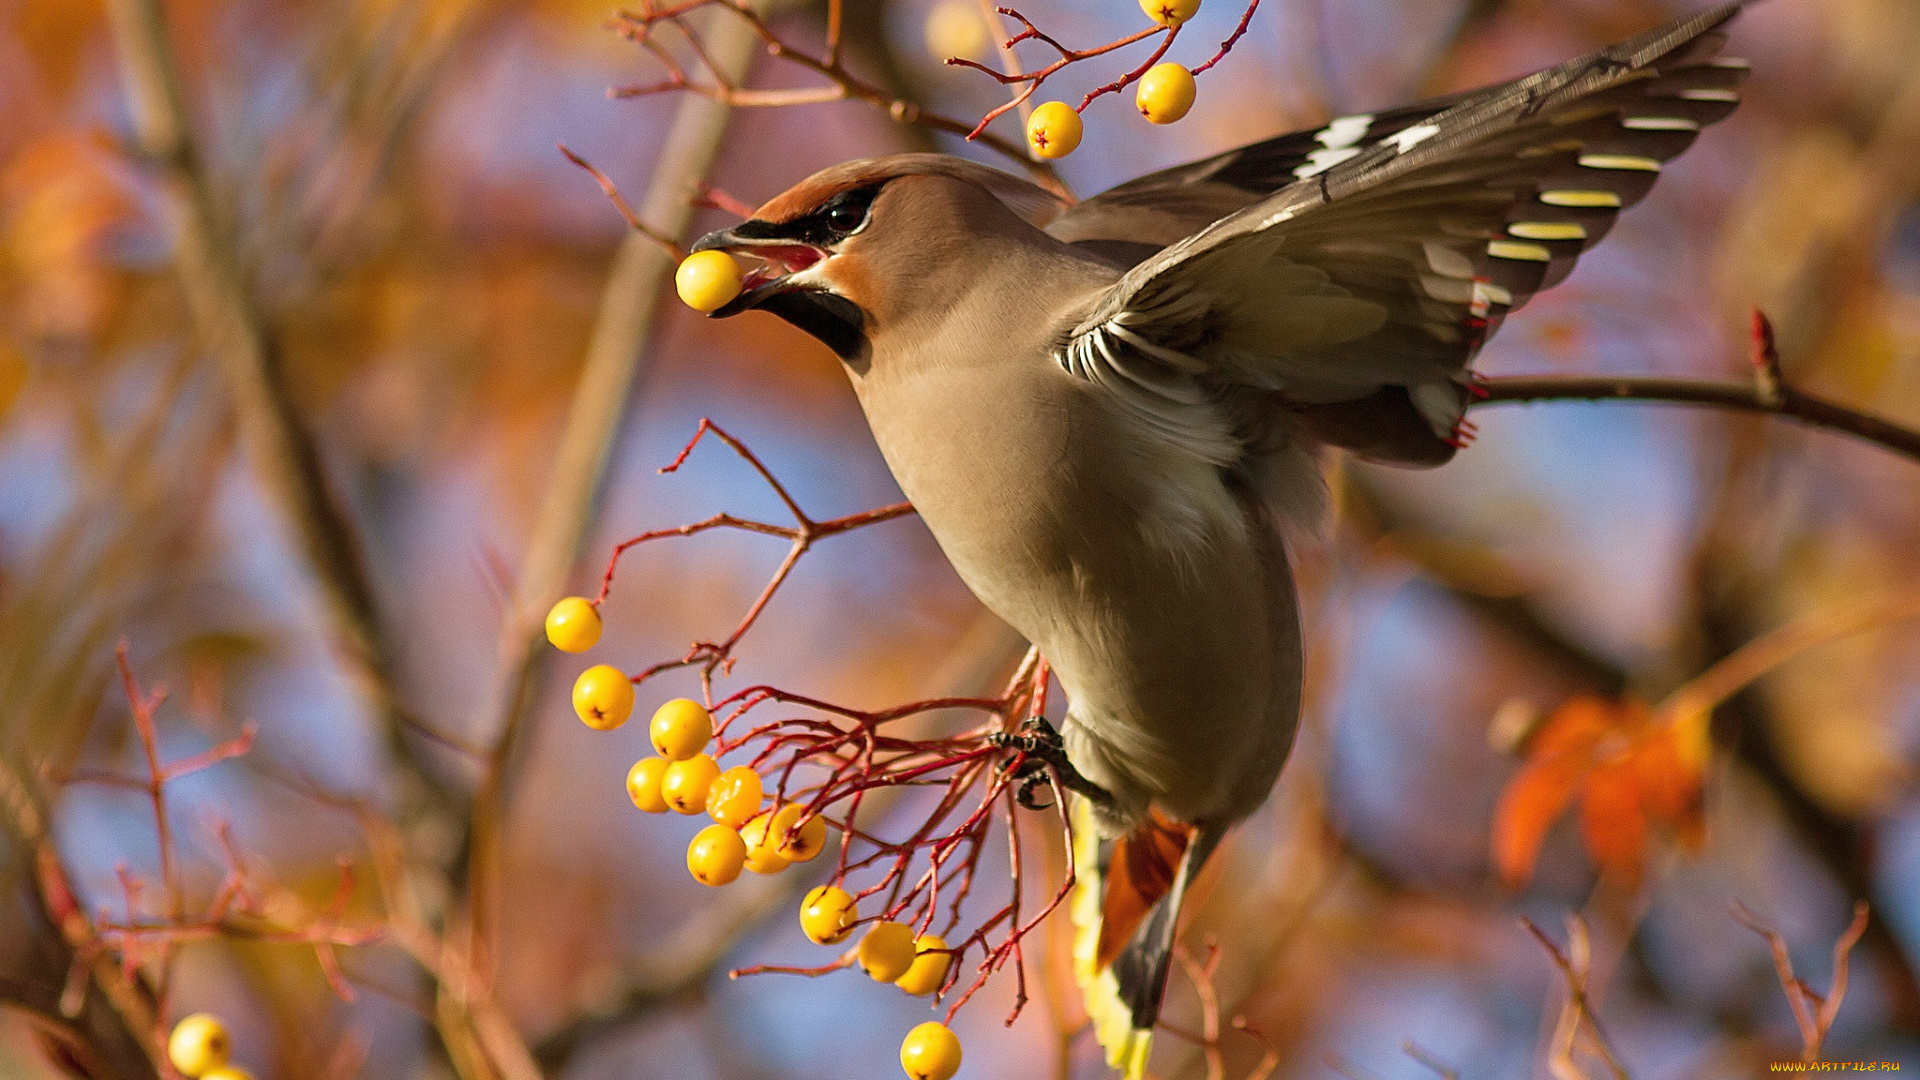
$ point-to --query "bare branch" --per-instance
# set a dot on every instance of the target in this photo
(1768, 395)
(1813, 1013)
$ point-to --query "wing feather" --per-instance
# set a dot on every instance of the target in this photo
(1381, 251)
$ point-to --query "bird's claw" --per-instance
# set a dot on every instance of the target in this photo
(1041, 755)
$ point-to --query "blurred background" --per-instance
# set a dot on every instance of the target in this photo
(423, 274)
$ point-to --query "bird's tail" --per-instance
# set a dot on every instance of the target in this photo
(1126, 907)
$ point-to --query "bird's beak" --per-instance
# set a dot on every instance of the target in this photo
(780, 258)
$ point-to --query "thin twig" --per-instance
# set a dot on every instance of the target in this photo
(1761, 655)
(1426, 1057)
(1812, 1012)
(1573, 965)
(672, 247)
(842, 84)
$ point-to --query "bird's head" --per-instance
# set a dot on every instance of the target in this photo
(846, 248)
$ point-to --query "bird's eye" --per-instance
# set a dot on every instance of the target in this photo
(846, 217)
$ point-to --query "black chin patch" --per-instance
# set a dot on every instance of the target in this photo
(835, 320)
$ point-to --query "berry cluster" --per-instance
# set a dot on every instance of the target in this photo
(799, 784)
(749, 833)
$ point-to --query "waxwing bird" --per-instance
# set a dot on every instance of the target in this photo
(1108, 413)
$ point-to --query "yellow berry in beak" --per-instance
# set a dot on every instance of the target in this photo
(573, 625)
(1165, 93)
(707, 280)
(1170, 12)
(930, 1052)
(1053, 131)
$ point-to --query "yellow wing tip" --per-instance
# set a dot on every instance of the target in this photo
(1130, 1056)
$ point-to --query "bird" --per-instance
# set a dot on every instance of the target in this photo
(1111, 414)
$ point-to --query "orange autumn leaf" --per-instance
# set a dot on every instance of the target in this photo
(1630, 772)
(1613, 819)
(1559, 757)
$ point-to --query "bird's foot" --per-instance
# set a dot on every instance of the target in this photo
(1040, 755)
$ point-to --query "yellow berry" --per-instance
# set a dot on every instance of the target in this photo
(227, 1072)
(887, 951)
(929, 967)
(198, 1044)
(1053, 130)
(685, 784)
(1165, 93)
(680, 729)
(603, 697)
(930, 1052)
(643, 784)
(1170, 12)
(716, 855)
(802, 844)
(573, 624)
(955, 28)
(706, 280)
(827, 915)
(763, 855)
(735, 797)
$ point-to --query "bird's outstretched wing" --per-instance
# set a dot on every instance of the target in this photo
(1354, 296)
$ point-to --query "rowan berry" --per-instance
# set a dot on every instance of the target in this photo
(199, 1043)
(803, 843)
(763, 854)
(827, 915)
(707, 280)
(1054, 129)
(887, 951)
(643, 784)
(680, 729)
(955, 28)
(735, 797)
(685, 784)
(930, 1052)
(716, 855)
(573, 624)
(603, 697)
(1170, 12)
(929, 968)
(1165, 93)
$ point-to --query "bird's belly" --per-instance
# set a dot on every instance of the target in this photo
(1176, 640)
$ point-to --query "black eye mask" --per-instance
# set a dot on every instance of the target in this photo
(838, 218)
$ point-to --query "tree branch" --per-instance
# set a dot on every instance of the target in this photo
(614, 355)
(283, 454)
(1787, 402)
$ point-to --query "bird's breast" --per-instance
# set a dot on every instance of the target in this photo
(1165, 609)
